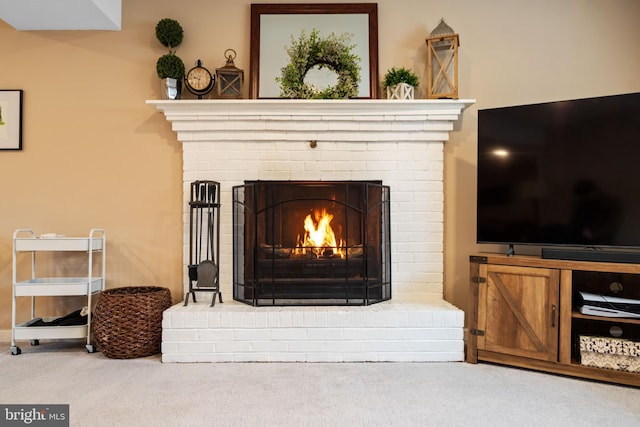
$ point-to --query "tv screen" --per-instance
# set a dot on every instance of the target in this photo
(560, 173)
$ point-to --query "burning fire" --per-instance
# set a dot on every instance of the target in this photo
(319, 236)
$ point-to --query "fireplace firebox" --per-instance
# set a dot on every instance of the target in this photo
(311, 243)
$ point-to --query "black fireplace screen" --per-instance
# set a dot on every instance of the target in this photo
(311, 243)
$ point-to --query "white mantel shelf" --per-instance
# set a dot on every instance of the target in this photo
(260, 119)
(304, 107)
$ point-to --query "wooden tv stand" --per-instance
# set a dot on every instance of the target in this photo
(524, 312)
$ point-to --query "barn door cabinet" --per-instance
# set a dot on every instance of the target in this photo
(525, 312)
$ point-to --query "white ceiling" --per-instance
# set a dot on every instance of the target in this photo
(62, 14)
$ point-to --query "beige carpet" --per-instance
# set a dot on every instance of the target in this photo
(146, 392)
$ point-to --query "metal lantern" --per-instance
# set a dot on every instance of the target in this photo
(230, 79)
(442, 62)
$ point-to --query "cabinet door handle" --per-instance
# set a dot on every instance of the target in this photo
(553, 315)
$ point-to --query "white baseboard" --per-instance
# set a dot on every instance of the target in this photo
(5, 335)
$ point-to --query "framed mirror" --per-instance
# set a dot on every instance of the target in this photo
(274, 25)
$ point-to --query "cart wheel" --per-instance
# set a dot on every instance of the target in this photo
(35, 342)
(15, 350)
(90, 348)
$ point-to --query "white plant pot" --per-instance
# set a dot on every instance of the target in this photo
(400, 91)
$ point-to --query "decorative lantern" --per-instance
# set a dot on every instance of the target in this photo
(442, 62)
(230, 79)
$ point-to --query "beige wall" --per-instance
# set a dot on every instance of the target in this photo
(96, 155)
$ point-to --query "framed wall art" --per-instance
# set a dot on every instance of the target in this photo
(274, 26)
(10, 119)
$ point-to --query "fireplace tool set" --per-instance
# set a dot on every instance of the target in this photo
(204, 240)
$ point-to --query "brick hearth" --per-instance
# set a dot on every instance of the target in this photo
(427, 330)
(398, 142)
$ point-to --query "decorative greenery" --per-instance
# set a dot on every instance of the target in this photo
(169, 33)
(400, 75)
(333, 52)
(170, 65)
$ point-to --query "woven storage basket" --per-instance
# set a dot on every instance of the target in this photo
(127, 322)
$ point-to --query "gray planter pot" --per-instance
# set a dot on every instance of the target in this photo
(171, 88)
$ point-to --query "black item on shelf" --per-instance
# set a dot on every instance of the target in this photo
(72, 319)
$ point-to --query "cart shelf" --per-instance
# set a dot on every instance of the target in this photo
(57, 244)
(24, 331)
(58, 286)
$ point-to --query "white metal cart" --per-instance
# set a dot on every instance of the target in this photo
(25, 241)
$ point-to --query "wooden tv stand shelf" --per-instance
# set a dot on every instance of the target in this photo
(524, 312)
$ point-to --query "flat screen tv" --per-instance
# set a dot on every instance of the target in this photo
(561, 174)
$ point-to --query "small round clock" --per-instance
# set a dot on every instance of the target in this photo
(199, 80)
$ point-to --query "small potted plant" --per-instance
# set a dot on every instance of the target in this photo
(170, 67)
(400, 83)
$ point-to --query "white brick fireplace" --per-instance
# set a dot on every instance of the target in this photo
(398, 142)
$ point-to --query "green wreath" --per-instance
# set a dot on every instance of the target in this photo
(334, 53)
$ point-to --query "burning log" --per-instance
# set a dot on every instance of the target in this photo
(275, 252)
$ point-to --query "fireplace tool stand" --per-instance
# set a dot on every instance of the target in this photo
(204, 240)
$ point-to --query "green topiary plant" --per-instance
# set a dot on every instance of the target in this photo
(170, 66)
(169, 33)
(400, 75)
